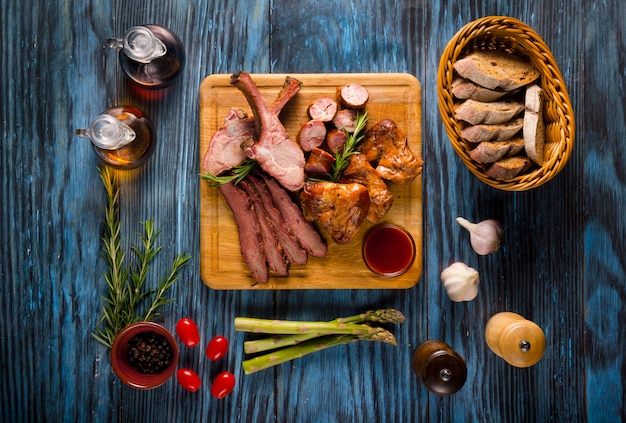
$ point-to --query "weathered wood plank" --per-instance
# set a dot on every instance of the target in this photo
(604, 123)
(51, 83)
(561, 263)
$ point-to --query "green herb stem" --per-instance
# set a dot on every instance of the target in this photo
(342, 157)
(236, 174)
(125, 285)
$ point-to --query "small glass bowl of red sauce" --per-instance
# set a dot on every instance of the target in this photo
(388, 250)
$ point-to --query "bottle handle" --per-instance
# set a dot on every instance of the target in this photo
(139, 44)
(107, 132)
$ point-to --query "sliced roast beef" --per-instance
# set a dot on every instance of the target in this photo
(307, 235)
(276, 153)
(271, 246)
(287, 240)
(249, 231)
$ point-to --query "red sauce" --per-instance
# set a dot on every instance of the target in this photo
(388, 250)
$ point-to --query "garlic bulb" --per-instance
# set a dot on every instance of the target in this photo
(461, 282)
(484, 236)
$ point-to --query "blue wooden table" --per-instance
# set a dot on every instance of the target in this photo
(561, 264)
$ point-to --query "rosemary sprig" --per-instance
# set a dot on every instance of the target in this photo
(125, 287)
(342, 158)
(237, 174)
(160, 297)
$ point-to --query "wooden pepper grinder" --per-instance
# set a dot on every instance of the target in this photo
(442, 370)
(520, 342)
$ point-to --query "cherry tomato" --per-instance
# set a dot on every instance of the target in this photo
(188, 379)
(188, 332)
(223, 385)
(216, 348)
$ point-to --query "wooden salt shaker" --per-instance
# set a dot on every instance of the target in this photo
(520, 342)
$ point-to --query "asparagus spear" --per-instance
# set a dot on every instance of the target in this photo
(312, 345)
(386, 315)
(378, 316)
(250, 324)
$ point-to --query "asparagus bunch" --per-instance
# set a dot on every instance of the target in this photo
(295, 339)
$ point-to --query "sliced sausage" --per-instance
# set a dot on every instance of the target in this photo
(312, 134)
(319, 164)
(336, 140)
(353, 96)
(345, 119)
(323, 109)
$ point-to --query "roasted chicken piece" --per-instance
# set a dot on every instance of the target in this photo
(387, 149)
(360, 171)
(339, 208)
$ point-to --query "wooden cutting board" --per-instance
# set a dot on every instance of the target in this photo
(393, 96)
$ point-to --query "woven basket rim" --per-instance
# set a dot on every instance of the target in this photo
(510, 33)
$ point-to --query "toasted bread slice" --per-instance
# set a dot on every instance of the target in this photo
(500, 132)
(477, 112)
(508, 167)
(534, 125)
(496, 70)
(490, 152)
(465, 89)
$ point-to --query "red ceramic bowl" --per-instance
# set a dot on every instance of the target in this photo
(388, 250)
(129, 374)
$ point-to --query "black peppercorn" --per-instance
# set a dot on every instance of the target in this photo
(149, 353)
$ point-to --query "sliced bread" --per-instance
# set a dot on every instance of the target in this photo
(464, 88)
(508, 167)
(534, 125)
(490, 152)
(496, 70)
(499, 132)
(495, 112)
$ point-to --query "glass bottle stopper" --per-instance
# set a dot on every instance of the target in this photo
(107, 132)
(139, 44)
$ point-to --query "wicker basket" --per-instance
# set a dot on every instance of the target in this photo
(513, 36)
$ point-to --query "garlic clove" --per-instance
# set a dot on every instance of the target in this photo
(484, 236)
(460, 281)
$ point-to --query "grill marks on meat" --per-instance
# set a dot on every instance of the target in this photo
(276, 153)
(226, 147)
(339, 208)
(272, 231)
(387, 148)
